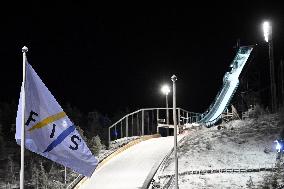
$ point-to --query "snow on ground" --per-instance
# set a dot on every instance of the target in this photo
(240, 144)
(219, 181)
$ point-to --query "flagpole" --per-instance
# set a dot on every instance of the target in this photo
(23, 136)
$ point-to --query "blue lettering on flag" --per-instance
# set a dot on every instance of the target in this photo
(60, 138)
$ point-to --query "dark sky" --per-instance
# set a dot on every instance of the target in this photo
(109, 58)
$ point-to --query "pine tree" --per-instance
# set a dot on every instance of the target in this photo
(35, 176)
(274, 181)
(10, 170)
(74, 114)
(96, 145)
(43, 179)
(266, 182)
(1, 142)
(81, 132)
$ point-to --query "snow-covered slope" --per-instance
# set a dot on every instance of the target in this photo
(130, 168)
(241, 144)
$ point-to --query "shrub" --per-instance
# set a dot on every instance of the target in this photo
(258, 110)
(281, 117)
(274, 181)
(95, 145)
(271, 180)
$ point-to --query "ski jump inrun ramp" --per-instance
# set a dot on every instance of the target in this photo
(230, 84)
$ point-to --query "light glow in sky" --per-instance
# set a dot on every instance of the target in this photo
(266, 30)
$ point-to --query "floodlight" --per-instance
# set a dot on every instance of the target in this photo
(266, 30)
(165, 89)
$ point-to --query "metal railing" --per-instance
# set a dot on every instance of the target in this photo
(145, 122)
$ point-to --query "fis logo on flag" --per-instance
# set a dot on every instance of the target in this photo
(48, 130)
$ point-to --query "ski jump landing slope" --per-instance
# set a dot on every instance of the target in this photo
(230, 84)
(129, 169)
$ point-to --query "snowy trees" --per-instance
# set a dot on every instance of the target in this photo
(1, 142)
(7, 119)
(41, 178)
(93, 123)
(281, 115)
(270, 181)
(95, 145)
(11, 170)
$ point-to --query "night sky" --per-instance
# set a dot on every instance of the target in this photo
(109, 58)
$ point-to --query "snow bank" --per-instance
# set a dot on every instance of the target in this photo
(239, 144)
(114, 145)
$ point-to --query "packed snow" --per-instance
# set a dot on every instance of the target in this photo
(130, 168)
(239, 144)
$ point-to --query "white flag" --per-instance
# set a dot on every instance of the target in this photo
(49, 132)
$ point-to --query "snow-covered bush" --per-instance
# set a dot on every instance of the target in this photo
(281, 116)
(257, 111)
(121, 142)
(95, 145)
(266, 182)
(272, 180)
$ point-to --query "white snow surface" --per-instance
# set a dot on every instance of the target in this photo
(129, 169)
(241, 144)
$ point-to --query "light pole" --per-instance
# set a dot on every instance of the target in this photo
(166, 90)
(267, 31)
(174, 78)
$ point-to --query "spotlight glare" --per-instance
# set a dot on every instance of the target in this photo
(165, 89)
(266, 30)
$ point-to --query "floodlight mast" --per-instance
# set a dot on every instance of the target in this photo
(267, 32)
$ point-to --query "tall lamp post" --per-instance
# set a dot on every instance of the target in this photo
(166, 90)
(267, 31)
(174, 78)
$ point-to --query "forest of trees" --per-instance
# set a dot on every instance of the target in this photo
(39, 171)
